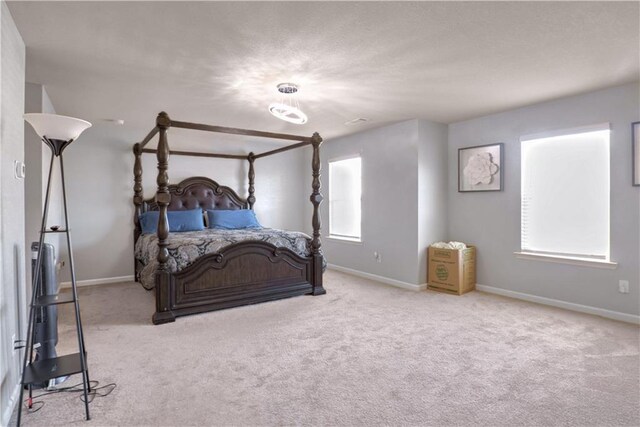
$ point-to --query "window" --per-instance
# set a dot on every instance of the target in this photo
(565, 194)
(345, 193)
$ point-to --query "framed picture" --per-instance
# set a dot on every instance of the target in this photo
(480, 168)
(635, 152)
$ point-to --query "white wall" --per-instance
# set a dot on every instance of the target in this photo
(389, 202)
(33, 156)
(37, 158)
(403, 193)
(432, 189)
(492, 220)
(99, 174)
(12, 228)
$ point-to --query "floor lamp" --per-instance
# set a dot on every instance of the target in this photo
(57, 132)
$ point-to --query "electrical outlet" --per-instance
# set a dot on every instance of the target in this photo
(623, 286)
(377, 256)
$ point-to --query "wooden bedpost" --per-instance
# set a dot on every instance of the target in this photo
(252, 178)
(138, 197)
(137, 182)
(163, 312)
(316, 199)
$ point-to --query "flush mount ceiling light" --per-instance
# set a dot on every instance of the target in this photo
(288, 108)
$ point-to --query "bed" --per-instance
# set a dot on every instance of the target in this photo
(198, 271)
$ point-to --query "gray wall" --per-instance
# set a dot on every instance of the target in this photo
(12, 229)
(33, 154)
(99, 172)
(37, 158)
(432, 190)
(403, 193)
(492, 220)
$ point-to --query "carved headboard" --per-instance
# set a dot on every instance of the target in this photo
(197, 192)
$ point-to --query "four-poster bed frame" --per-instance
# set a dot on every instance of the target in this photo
(242, 273)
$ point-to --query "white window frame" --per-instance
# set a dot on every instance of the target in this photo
(347, 239)
(595, 261)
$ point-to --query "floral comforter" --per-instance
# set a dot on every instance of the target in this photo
(186, 247)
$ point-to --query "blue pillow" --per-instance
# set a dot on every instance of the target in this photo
(191, 220)
(233, 219)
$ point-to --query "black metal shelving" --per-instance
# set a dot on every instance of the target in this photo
(46, 300)
(55, 231)
(41, 371)
(62, 366)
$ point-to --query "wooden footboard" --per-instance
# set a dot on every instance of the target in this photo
(240, 274)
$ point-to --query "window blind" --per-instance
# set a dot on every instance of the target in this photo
(565, 194)
(345, 193)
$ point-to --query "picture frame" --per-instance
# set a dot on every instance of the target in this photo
(635, 153)
(480, 168)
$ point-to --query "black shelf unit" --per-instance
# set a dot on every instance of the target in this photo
(46, 300)
(41, 371)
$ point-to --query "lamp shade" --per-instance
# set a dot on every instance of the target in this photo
(54, 126)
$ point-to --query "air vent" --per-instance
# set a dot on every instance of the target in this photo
(117, 122)
(358, 121)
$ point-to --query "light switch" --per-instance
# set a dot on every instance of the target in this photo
(18, 169)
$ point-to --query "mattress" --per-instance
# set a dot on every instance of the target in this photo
(186, 247)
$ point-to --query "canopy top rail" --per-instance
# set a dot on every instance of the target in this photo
(164, 121)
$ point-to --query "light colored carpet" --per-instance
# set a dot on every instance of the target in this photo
(364, 354)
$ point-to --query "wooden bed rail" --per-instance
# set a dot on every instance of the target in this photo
(304, 140)
(196, 154)
(283, 149)
(149, 136)
(235, 131)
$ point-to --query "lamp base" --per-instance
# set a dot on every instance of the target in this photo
(56, 145)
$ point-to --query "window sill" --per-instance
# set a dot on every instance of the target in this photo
(584, 262)
(345, 239)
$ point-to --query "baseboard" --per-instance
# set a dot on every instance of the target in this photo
(93, 282)
(609, 314)
(8, 411)
(382, 279)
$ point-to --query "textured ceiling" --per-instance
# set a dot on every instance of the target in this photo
(219, 63)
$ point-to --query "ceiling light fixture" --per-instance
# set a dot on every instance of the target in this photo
(288, 108)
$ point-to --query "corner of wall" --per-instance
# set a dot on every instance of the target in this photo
(12, 228)
(432, 189)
